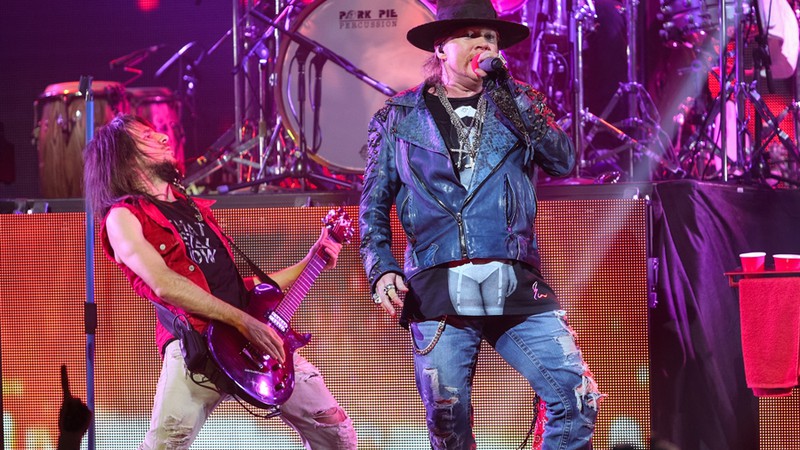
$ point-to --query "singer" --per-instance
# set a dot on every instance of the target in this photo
(458, 156)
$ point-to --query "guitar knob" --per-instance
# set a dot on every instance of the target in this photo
(276, 367)
(279, 387)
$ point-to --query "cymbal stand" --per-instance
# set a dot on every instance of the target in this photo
(549, 51)
(581, 19)
(238, 140)
(322, 54)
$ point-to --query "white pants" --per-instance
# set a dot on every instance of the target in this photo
(181, 407)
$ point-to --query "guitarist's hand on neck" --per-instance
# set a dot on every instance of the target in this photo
(330, 248)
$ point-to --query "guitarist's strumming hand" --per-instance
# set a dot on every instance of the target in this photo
(262, 336)
(266, 377)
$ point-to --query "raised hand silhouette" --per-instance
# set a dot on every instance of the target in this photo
(74, 417)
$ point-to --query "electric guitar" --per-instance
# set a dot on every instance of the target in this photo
(257, 378)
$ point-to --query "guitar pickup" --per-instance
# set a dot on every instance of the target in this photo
(278, 322)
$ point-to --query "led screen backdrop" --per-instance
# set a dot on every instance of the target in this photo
(594, 255)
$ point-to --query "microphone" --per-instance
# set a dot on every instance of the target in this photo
(493, 65)
(134, 57)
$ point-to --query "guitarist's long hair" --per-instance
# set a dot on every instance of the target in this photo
(113, 165)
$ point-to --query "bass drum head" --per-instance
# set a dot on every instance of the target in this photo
(370, 35)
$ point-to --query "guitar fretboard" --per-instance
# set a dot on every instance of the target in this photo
(291, 302)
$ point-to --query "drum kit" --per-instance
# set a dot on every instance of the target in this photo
(308, 75)
(744, 126)
(336, 62)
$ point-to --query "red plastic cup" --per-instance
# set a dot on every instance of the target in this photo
(753, 261)
(785, 262)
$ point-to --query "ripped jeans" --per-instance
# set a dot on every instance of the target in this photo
(181, 407)
(540, 347)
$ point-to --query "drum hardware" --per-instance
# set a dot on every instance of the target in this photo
(375, 49)
(644, 136)
(177, 56)
(131, 60)
(213, 159)
(651, 144)
(582, 19)
(220, 153)
(760, 159)
(640, 134)
(187, 78)
(322, 54)
(721, 144)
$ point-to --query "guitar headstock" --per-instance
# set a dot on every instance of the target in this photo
(339, 225)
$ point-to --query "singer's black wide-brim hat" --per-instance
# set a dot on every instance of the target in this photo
(452, 15)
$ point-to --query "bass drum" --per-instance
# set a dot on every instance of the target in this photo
(502, 7)
(370, 35)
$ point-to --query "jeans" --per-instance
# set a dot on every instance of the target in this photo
(181, 407)
(541, 347)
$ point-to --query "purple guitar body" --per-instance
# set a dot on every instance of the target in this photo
(260, 379)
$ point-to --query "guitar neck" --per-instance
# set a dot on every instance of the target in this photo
(291, 302)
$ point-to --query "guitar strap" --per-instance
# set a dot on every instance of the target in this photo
(256, 270)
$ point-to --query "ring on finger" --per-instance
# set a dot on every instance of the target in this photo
(376, 299)
(387, 288)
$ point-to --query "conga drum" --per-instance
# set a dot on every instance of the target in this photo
(162, 108)
(60, 132)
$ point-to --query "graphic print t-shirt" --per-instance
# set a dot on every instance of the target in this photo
(206, 249)
(481, 289)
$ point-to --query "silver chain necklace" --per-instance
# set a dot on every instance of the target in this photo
(470, 146)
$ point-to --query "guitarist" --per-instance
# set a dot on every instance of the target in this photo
(173, 252)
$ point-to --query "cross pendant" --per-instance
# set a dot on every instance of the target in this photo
(464, 155)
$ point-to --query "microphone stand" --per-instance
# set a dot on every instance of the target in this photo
(89, 307)
(317, 62)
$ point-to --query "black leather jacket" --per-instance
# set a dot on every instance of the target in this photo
(409, 164)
